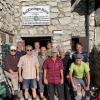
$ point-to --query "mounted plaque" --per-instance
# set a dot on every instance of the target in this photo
(36, 15)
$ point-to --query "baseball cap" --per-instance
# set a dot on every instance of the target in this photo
(78, 56)
(12, 47)
(54, 50)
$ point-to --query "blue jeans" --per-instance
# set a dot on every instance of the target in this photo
(41, 83)
(29, 83)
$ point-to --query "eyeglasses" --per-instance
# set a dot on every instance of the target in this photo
(13, 50)
(29, 50)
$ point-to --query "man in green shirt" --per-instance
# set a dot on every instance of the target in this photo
(77, 71)
(49, 47)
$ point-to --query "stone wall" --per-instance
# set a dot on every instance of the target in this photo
(6, 22)
(97, 29)
(91, 24)
(78, 19)
(6, 15)
(62, 18)
(72, 23)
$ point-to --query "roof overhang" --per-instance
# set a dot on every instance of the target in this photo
(75, 4)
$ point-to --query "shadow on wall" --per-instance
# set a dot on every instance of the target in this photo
(95, 65)
(81, 7)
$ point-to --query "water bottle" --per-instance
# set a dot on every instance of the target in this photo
(79, 94)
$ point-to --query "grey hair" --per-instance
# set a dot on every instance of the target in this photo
(29, 46)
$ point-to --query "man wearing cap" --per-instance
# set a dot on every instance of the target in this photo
(11, 61)
(76, 74)
(53, 75)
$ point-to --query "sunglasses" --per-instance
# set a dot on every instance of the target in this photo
(13, 50)
(29, 50)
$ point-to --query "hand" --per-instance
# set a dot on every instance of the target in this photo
(74, 87)
(62, 81)
(11, 71)
(20, 79)
(87, 88)
(38, 78)
(14, 75)
(45, 81)
(67, 76)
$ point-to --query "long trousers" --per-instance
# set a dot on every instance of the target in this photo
(51, 91)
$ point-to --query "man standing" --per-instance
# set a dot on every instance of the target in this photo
(65, 57)
(29, 66)
(49, 48)
(53, 75)
(79, 50)
(41, 58)
(76, 74)
(11, 61)
(20, 49)
(36, 50)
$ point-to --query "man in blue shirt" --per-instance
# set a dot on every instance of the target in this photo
(20, 49)
(79, 50)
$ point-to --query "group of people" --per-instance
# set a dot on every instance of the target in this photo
(47, 66)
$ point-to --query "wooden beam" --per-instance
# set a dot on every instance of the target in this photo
(75, 4)
(6, 32)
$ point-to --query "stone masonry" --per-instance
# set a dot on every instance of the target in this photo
(6, 20)
(6, 15)
(62, 18)
(71, 23)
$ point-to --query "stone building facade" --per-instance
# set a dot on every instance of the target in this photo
(97, 20)
(66, 23)
(6, 22)
(70, 23)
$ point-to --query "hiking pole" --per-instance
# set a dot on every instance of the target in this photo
(6, 79)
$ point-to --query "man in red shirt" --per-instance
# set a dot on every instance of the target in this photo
(53, 75)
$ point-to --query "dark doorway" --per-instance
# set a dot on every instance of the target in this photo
(82, 40)
(30, 40)
(75, 40)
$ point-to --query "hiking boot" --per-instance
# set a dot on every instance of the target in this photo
(41, 98)
(34, 99)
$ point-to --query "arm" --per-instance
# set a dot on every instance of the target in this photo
(87, 69)
(62, 76)
(45, 76)
(88, 79)
(70, 76)
(20, 75)
(20, 65)
(37, 71)
(45, 72)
